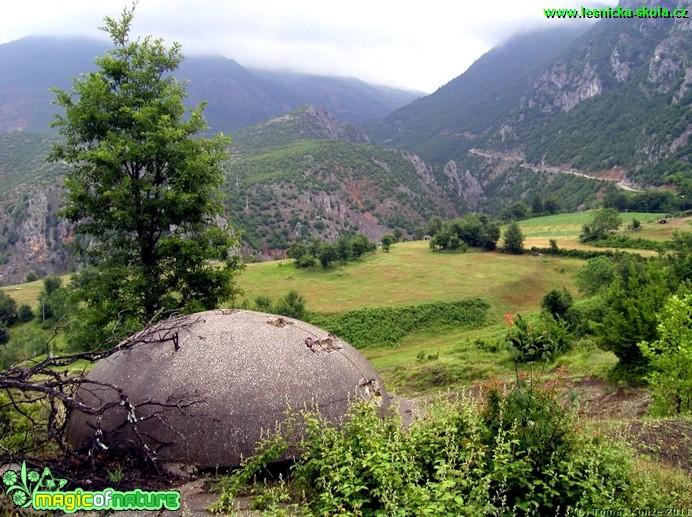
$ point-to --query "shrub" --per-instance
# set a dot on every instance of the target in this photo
(291, 305)
(513, 239)
(539, 341)
(670, 358)
(8, 309)
(557, 302)
(263, 304)
(584, 314)
(521, 454)
(385, 326)
(24, 313)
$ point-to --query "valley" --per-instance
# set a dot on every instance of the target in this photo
(511, 253)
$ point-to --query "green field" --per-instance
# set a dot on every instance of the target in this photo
(410, 274)
(565, 228)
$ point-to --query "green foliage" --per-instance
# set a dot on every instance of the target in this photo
(513, 239)
(557, 302)
(263, 304)
(143, 186)
(521, 454)
(585, 314)
(4, 335)
(24, 313)
(54, 299)
(347, 248)
(604, 222)
(374, 327)
(8, 310)
(462, 232)
(632, 300)
(538, 341)
(573, 253)
(540, 465)
(291, 305)
(670, 358)
(597, 274)
(517, 211)
(625, 241)
(387, 241)
(25, 344)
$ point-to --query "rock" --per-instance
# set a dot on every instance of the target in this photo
(211, 384)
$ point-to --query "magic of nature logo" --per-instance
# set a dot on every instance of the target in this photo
(43, 491)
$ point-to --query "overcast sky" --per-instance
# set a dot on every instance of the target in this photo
(415, 45)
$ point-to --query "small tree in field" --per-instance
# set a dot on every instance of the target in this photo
(603, 223)
(513, 239)
(387, 241)
(143, 189)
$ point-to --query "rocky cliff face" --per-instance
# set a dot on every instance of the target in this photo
(613, 53)
(34, 238)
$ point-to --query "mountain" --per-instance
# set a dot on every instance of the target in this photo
(444, 125)
(611, 100)
(303, 174)
(236, 96)
(306, 174)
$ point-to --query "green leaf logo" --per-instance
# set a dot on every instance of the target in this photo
(22, 485)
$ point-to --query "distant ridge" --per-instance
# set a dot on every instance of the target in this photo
(236, 96)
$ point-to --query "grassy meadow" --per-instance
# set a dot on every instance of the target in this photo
(565, 228)
(410, 273)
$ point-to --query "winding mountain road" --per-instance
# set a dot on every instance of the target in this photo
(620, 183)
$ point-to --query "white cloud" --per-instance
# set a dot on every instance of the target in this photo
(418, 45)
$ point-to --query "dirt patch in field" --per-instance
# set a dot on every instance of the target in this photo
(600, 399)
(668, 441)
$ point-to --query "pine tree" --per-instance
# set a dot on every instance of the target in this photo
(513, 239)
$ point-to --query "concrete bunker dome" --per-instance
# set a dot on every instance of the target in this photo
(204, 389)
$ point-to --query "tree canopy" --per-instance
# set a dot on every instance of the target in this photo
(143, 186)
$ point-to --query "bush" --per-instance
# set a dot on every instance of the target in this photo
(584, 314)
(24, 313)
(291, 305)
(557, 302)
(670, 358)
(8, 310)
(263, 304)
(385, 326)
(521, 454)
(513, 239)
(539, 341)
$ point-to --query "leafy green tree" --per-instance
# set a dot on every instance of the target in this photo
(4, 336)
(670, 358)
(604, 222)
(143, 188)
(387, 241)
(360, 245)
(434, 226)
(8, 310)
(24, 313)
(633, 299)
(513, 239)
(515, 212)
(551, 205)
(328, 254)
(557, 302)
(596, 275)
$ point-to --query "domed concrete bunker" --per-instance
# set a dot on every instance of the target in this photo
(202, 389)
